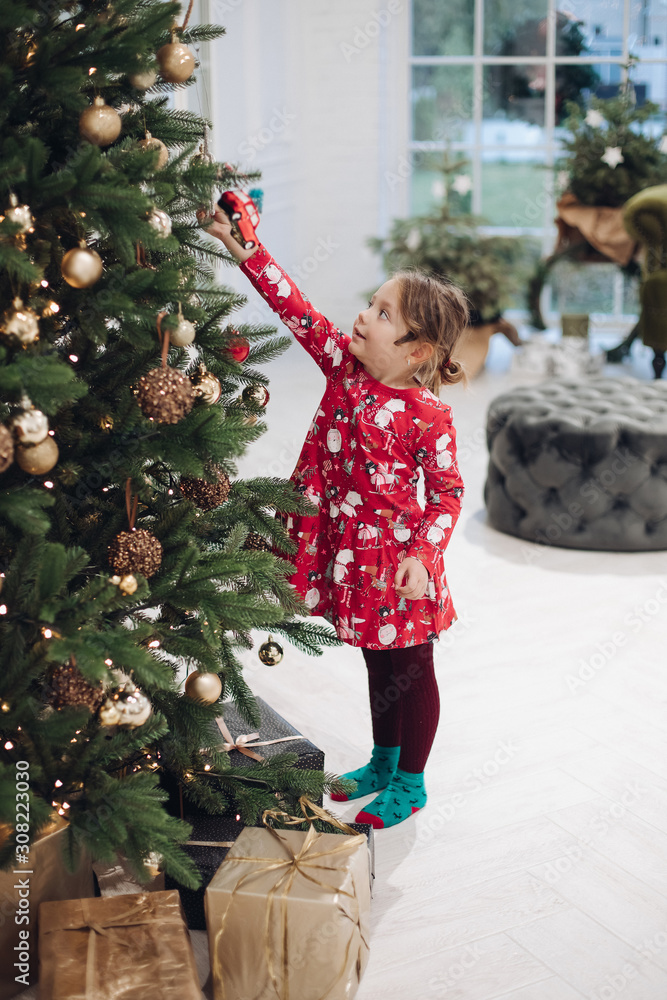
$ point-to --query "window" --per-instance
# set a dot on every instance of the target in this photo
(490, 82)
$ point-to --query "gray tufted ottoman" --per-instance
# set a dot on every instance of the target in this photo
(580, 463)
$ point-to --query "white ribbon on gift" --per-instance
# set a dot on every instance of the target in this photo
(246, 742)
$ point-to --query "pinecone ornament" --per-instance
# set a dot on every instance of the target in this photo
(256, 543)
(69, 687)
(136, 551)
(6, 448)
(206, 495)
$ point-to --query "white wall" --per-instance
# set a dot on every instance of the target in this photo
(315, 94)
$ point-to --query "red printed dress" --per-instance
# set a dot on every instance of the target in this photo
(360, 466)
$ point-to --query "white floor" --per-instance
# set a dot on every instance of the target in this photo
(538, 869)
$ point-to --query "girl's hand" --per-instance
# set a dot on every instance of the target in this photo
(415, 575)
(218, 225)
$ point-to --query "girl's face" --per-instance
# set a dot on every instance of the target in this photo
(378, 327)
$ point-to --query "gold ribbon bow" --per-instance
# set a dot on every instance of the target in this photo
(245, 743)
(305, 857)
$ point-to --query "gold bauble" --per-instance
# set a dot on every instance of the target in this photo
(160, 222)
(257, 394)
(21, 322)
(150, 143)
(183, 333)
(37, 458)
(206, 385)
(81, 267)
(271, 652)
(176, 61)
(99, 123)
(200, 686)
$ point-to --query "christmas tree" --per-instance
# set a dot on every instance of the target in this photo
(129, 553)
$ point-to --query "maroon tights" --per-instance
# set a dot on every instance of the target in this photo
(405, 705)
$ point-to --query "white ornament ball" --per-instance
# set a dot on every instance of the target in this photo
(182, 334)
(20, 215)
(160, 222)
(30, 427)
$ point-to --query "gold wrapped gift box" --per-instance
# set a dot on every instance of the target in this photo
(129, 947)
(48, 880)
(287, 916)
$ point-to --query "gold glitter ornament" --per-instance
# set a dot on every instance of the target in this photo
(6, 448)
(150, 143)
(81, 267)
(68, 686)
(201, 686)
(37, 459)
(176, 61)
(21, 322)
(135, 551)
(206, 385)
(165, 395)
(99, 123)
(108, 714)
(204, 494)
(20, 215)
(270, 652)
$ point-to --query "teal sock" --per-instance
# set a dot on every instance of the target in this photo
(403, 796)
(374, 775)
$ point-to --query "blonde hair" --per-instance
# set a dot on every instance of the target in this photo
(435, 312)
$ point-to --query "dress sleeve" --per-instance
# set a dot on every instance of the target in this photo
(324, 342)
(436, 453)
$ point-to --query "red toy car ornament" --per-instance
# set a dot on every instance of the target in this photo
(243, 216)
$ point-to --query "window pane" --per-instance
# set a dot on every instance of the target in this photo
(515, 189)
(514, 104)
(442, 29)
(428, 185)
(442, 102)
(515, 29)
(585, 288)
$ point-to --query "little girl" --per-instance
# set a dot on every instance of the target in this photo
(371, 561)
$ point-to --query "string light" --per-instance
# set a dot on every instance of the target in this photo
(154, 644)
(207, 767)
(79, 27)
(109, 663)
(93, 69)
(65, 805)
(58, 783)
(9, 745)
(47, 633)
(44, 283)
(74, 358)
(4, 707)
(48, 484)
(3, 609)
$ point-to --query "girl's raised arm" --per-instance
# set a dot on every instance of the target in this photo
(324, 342)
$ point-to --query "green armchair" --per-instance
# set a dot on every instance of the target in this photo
(645, 218)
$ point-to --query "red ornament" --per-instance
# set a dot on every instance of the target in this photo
(238, 347)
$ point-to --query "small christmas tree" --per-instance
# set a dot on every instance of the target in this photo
(128, 551)
(448, 242)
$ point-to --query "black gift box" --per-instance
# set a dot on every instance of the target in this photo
(272, 726)
(211, 838)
